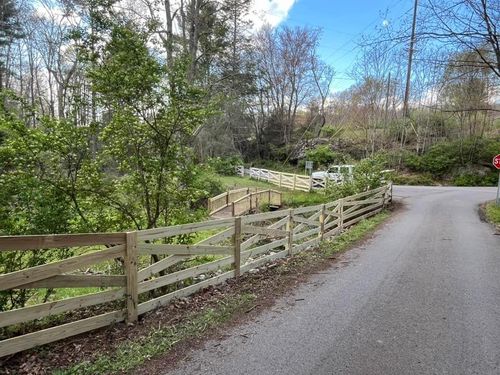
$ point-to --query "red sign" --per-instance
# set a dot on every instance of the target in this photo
(496, 161)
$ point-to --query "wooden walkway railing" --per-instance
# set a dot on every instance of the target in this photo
(240, 244)
(242, 201)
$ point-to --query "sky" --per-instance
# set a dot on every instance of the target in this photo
(342, 21)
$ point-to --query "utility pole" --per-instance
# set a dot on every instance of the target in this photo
(387, 94)
(406, 111)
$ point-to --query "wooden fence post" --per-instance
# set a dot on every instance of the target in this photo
(294, 181)
(341, 213)
(310, 183)
(322, 222)
(131, 276)
(232, 209)
(281, 178)
(289, 229)
(237, 246)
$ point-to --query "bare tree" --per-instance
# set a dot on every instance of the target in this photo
(471, 24)
(289, 74)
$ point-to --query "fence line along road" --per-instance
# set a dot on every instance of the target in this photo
(241, 201)
(288, 180)
(240, 244)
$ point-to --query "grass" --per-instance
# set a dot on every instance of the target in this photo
(237, 182)
(291, 198)
(493, 212)
(354, 234)
(133, 353)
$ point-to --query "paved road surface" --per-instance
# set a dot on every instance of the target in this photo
(421, 297)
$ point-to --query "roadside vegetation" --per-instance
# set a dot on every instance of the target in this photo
(132, 353)
(492, 211)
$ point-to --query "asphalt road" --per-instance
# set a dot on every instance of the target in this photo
(421, 297)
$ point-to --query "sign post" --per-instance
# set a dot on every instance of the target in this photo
(496, 163)
(309, 167)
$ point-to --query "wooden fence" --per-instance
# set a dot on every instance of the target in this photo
(237, 244)
(288, 180)
(243, 200)
(253, 201)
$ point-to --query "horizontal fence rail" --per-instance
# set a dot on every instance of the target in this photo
(140, 283)
(245, 200)
(287, 180)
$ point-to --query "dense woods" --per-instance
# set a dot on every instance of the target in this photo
(115, 114)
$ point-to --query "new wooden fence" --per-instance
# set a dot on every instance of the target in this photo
(138, 286)
(288, 180)
(243, 200)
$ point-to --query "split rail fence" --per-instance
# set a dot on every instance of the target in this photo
(244, 200)
(138, 286)
(288, 180)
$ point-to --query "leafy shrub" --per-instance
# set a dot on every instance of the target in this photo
(424, 179)
(442, 158)
(475, 179)
(323, 155)
(493, 212)
(225, 166)
(366, 176)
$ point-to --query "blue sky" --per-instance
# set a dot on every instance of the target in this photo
(343, 22)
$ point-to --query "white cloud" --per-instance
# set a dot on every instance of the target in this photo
(272, 12)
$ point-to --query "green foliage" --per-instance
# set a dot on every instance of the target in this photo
(445, 157)
(424, 179)
(153, 120)
(225, 166)
(437, 161)
(133, 170)
(493, 212)
(366, 176)
(323, 156)
(303, 198)
(475, 178)
(127, 72)
(353, 234)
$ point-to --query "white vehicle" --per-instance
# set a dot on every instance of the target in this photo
(335, 173)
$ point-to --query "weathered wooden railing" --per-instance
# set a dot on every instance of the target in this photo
(240, 244)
